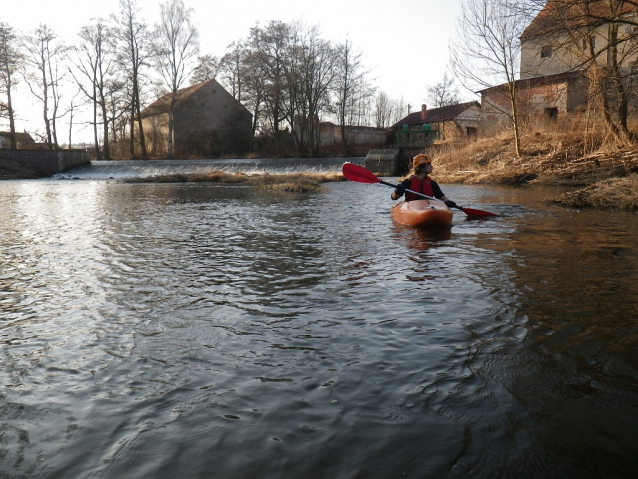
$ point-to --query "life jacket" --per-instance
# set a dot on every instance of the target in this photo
(419, 186)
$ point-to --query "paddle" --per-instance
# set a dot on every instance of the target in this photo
(359, 174)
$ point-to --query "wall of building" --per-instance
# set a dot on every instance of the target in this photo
(551, 101)
(208, 108)
(570, 53)
(330, 134)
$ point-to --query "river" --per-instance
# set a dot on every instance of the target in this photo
(206, 330)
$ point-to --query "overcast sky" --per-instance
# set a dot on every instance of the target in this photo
(404, 43)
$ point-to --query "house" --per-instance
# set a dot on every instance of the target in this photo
(558, 49)
(565, 33)
(445, 122)
(23, 140)
(548, 98)
(207, 121)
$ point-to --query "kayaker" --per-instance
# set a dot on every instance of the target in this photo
(421, 182)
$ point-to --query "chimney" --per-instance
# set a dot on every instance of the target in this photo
(424, 109)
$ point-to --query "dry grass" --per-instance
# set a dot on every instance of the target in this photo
(616, 193)
(569, 158)
(297, 182)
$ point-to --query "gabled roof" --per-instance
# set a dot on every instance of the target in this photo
(435, 115)
(162, 104)
(558, 15)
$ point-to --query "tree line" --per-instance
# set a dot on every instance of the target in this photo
(285, 74)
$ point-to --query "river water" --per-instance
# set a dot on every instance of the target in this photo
(203, 330)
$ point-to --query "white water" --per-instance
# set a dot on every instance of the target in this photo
(117, 170)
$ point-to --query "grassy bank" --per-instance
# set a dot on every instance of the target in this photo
(296, 182)
(607, 172)
(548, 159)
(616, 193)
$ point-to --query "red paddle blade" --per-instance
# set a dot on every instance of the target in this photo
(358, 173)
(477, 213)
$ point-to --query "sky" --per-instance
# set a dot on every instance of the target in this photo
(404, 43)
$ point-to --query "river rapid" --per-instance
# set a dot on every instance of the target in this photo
(205, 330)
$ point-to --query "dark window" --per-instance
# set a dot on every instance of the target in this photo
(546, 51)
(471, 130)
(551, 114)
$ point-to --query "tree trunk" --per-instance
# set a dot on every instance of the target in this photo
(12, 127)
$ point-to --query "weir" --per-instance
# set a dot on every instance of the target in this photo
(148, 168)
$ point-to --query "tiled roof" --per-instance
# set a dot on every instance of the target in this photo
(558, 15)
(435, 115)
(162, 104)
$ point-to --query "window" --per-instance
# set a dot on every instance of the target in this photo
(551, 114)
(546, 51)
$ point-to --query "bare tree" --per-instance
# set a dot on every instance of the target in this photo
(94, 55)
(206, 69)
(443, 93)
(487, 50)
(268, 47)
(176, 45)
(232, 69)
(309, 73)
(117, 105)
(351, 86)
(44, 77)
(131, 36)
(11, 59)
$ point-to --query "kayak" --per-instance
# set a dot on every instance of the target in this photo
(420, 213)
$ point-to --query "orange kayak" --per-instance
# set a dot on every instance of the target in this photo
(421, 213)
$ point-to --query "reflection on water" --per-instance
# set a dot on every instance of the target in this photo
(175, 330)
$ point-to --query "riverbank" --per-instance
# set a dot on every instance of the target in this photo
(569, 159)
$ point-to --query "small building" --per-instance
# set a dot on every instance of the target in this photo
(207, 120)
(23, 140)
(422, 128)
(544, 98)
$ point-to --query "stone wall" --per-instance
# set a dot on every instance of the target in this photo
(47, 162)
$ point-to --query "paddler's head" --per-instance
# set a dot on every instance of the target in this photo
(422, 165)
